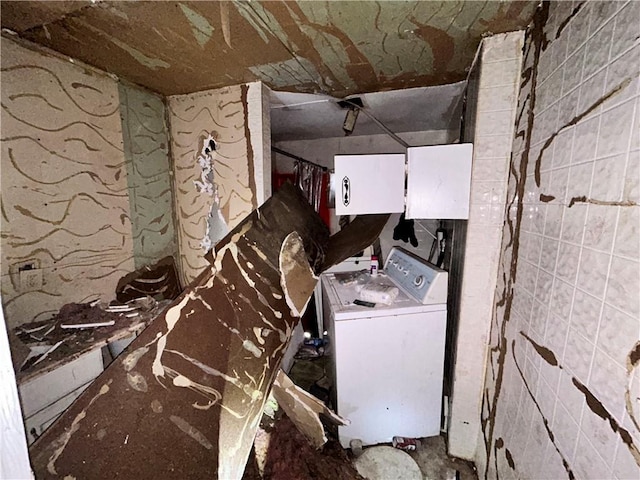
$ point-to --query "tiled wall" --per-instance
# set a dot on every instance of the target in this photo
(65, 205)
(235, 118)
(489, 119)
(562, 377)
(146, 149)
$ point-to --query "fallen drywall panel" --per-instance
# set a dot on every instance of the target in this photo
(304, 409)
(186, 398)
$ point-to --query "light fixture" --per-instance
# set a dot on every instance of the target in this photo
(353, 106)
(350, 120)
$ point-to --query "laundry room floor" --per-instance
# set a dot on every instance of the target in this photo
(431, 456)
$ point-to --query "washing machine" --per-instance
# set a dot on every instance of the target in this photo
(387, 360)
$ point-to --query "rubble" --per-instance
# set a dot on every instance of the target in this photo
(208, 362)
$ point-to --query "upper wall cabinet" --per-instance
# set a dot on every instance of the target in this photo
(439, 181)
(369, 183)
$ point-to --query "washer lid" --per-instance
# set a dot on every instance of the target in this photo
(342, 296)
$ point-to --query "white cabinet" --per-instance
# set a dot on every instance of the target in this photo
(44, 397)
(369, 183)
(439, 181)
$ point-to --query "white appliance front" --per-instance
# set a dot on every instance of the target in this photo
(387, 366)
(439, 181)
(369, 183)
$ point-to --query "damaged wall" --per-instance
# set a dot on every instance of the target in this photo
(65, 207)
(146, 149)
(240, 175)
(86, 189)
(562, 375)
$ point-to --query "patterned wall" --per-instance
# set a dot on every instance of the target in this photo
(146, 149)
(224, 115)
(563, 376)
(65, 206)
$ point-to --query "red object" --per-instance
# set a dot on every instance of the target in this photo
(278, 179)
(404, 443)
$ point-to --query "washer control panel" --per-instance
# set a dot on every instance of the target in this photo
(418, 278)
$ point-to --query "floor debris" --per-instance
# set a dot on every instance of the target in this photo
(207, 363)
(304, 409)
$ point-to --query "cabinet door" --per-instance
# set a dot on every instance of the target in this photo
(439, 181)
(369, 183)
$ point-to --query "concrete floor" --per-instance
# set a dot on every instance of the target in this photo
(435, 464)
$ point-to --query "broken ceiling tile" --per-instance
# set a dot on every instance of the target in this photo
(186, 397)
(304, 409)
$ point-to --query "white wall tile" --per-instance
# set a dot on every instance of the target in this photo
(579, 248)
(601, 224)
(585, 315)
(608, 383)
(626, 28)
(592, 273)
(624, 71)
(628, 233)
(598, 48)
(567, 431)
(623, 286)
(624, 466)
(570, 397)
(631, 189)
(608, 178)
(578, 354)
(549, 253)
(573, 69)
(588, 463)
(567, 267)
(574, 219)
(618, 333)
(615, 129)
(585, 141)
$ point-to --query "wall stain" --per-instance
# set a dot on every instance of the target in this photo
(546, 354)
(596, 407)
(442, 45)
(545, 422)
(507, 454)
(536, 45)
(633, 360)
(244, 90)
(566, 21)
(574, 121)
(546, 198)
(585, 199)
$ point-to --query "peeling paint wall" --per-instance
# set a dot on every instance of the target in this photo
(562, 376)
(146, 150)
(234, 117)
(65, 205)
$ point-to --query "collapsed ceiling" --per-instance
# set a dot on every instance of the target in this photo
(336, 48)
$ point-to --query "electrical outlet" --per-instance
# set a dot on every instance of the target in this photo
(30, 279)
